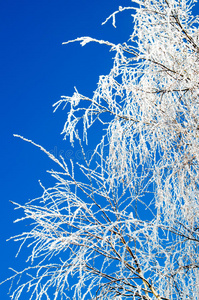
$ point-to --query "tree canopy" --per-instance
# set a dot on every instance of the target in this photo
(127, 227)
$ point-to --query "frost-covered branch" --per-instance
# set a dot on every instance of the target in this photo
(129, 228)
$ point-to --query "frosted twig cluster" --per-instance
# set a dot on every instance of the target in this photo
(130, 229)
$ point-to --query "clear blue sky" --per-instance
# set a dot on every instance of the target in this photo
(36, 69)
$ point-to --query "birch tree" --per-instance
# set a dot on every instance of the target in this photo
(127, 228)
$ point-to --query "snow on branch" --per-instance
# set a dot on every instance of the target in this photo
(50, 155)
(86, 39)
(116, 12)
(123, 223)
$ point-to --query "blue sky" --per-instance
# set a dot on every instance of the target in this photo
(36, 69)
